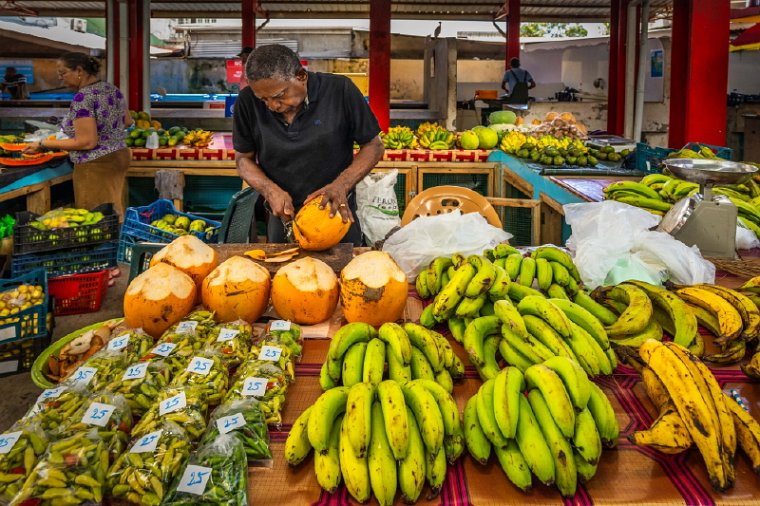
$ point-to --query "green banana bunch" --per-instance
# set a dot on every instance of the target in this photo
(398, 137)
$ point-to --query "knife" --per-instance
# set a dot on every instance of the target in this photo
(287, 225)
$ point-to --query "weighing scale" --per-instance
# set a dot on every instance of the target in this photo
(706, 219)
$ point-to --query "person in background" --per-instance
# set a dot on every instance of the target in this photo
(95, 126)
(243, 55)
(293, 134)
(516, 83)
(15, 84)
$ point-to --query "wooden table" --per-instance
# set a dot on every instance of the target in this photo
(37, 195)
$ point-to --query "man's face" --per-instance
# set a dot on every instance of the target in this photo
(281, 96)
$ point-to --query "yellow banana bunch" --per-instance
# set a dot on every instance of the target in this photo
(514, 140)
(398, 137)
(437, 138)
(198, 138)
(424, 127)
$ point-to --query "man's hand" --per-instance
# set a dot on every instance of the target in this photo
(281, 205)
(334, 195)
(33, 147)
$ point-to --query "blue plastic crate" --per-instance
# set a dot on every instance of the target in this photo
(649, 159)
(62, 263)
(137, 223)
(720, 151)
(31, 322)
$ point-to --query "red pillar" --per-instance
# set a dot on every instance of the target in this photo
(513, 31)
(249, 22)
(136, 48)
(699, 72)
(616, 72)
(380, 61)
(113, 39)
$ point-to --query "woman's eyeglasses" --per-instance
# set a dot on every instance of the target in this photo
(62, 73)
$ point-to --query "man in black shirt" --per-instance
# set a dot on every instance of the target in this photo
(14, 83)
(293, 134)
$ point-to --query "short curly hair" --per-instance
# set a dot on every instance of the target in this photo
(273, 61)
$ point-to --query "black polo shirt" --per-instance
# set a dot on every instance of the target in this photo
(312, 151)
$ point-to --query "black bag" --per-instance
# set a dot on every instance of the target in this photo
(519, 95)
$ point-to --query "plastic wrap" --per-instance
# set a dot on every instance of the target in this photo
(140, 384)
(263, 381)
(206, 372)
(133, 344)
(287, 334)
(197, 324)
(244, 417)
(272, 352)
(21, 446)
(106, 413)
(232, 341)
(98, 371)
(56, 406)
(216, 474)
(143, 474)
(185, 406)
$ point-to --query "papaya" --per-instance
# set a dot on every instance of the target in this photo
(13, 146)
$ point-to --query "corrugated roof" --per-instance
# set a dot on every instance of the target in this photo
(465, 10)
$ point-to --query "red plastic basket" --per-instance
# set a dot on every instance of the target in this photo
(78, 293)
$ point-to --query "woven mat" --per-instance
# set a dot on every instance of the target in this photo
(743, 268)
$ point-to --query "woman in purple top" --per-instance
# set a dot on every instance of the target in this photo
(95, 125)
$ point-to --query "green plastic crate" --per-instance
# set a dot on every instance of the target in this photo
(517, 220)
(475, 182)
(210, 195)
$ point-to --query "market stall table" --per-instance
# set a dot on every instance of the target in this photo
(36, 186)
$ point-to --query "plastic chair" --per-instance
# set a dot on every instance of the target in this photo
(445, 199)
(238, 219)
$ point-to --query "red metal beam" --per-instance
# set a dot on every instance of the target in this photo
(513, 31)
(136, 49)
(248, 17)
(616, 72)
(699, 72)
(114, 39)
(380, 61)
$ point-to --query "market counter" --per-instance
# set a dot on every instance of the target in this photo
(626, 475)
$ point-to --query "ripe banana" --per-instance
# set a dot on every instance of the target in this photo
(446, 301)
(706, 319)
(514, 357)
(359, 417)
(354, 469)
(435, 274)
(452, 425)
(396, 338)
(435, 471)
(590, 355)
(637, 313)
(527, 271)
(334, 370)
(653, 330)
(420, 366)
(729, 319)
(555, 291)
(544, 274)
(374, 362)
(456, 328)
(532, 443)
(586, 439)
(514, 465)
(421, 284)
(667, 434)
(510, 316)
(427, 414)
(475, 334)
(500, 287)
(585, 470)
(508, 387)
(490, 367)
(747, 432)
(698, 417)
(487, 415)
(327, 466)
(348, 335)
(397, 371)
(457, 369)
(604, 315)
(469, 307)
(565, 472)
(487, 309)
(325, 411)
(483, 279)
(560, 256)
(529, 347)
(604, 416)
(547, 311)
(752, 368)
(393, 405)
(631, 186)
(427, 319)
(574, 378)
(560, 274)
(654, 388)
(517, 292)
(553, 390)
(477, 443)
(411, 468)
(353, 364)
(382, 465)
(547, 336)
(512, 265)
(747, 309)
(325, 381)
(584, 319)
(444, 379)
(730, 353)
(503, 250)
(297, 446)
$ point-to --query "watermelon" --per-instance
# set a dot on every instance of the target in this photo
(502, 117)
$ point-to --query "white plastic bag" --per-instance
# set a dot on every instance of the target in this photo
(685, 264)
(377, 207)
(415, 245)
(745, 238)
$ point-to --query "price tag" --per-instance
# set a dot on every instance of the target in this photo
(98, 414)
(227, 335)
(279, 325)
(271, 353)
(186, 327)
(200, 365)
(194, 479)
(8, 441)
(147, 443)
(135, 371)
(84, 375)
(50, 393)
(172, 404)
(118, 343)
(8, 333)
(164, 349)
(254, 387)
(226, 424)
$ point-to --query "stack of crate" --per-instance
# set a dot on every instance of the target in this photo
(76, 257)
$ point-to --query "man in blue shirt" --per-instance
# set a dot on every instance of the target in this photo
(517, 82)
(293, 134)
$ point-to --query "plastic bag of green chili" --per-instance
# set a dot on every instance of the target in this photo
(175, 355)
(143, 474)
(71, 472)
(21, 446)
(243, 416)
(55, 406)
(186, 406)
(232, 341)
(263, 381)
(98, 371)
(275, 353)
(108, 414)
(205, 371)
(133, 344)
(140, 385)
(197, 324)
(286, 333)
(216, 474)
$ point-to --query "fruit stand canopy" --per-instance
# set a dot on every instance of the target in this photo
(471, 10)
